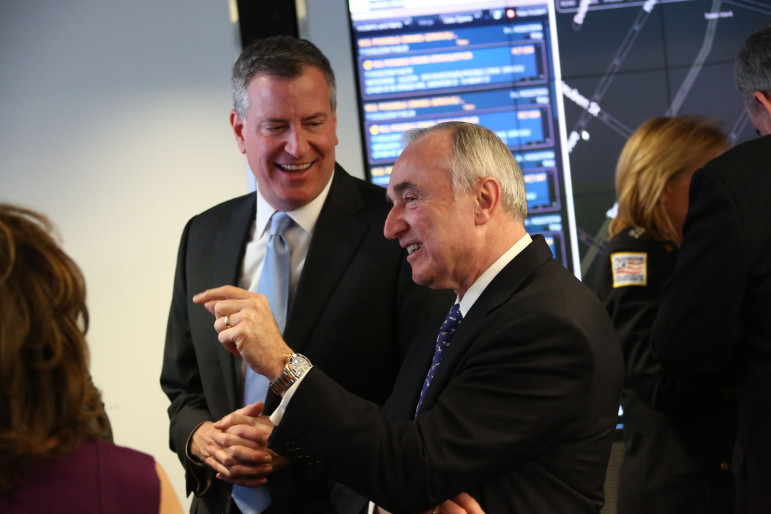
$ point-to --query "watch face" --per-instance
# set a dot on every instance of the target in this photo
(298, 364)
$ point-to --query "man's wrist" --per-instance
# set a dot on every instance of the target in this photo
(295, 367)
(277, 361)
(286, 397)
(190, 452)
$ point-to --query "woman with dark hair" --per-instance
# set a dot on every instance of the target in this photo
(678, 437)
(53, 457)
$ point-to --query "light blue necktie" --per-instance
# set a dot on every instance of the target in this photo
(273, 283)
(446, 333)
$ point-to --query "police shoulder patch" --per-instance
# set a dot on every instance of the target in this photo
(629, 268)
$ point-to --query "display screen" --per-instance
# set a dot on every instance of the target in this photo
(490, 63)
(564, 83)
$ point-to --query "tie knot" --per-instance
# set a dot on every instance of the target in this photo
(453, 319)
(279, 223)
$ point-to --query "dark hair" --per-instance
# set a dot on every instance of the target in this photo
(278, 56)
(48, 403)
(753, 66)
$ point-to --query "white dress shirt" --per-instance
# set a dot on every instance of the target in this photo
(471, 296)
(298, 236)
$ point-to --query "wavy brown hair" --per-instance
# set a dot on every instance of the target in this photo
(48, 403)
(657, 151)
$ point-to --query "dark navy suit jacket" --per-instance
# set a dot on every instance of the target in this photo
(520, 412)
(714, 321)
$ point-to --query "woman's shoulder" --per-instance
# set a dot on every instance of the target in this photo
(133, 465)
(633, 239)
(129, 477)
(112, 450)
(629, 256)
(98, 476)
(637, 240)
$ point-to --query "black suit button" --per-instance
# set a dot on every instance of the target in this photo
(290, 447)
(320, 467)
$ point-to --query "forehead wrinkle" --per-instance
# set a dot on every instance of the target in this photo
(284, 119)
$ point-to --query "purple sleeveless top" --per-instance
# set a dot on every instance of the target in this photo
(98, 478)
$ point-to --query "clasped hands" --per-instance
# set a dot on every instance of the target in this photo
(236, 446)
(238, 442)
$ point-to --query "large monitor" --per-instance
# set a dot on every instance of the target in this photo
(488, 62)
(563, 82)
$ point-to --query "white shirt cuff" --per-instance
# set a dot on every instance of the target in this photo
(279, 412)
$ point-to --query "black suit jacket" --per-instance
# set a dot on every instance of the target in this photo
(520, 412)
(714, 321)
(355, 301)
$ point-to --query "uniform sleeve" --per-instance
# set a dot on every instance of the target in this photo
(633, 310)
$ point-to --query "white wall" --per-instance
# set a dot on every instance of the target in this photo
(114, 122)
(326, 24)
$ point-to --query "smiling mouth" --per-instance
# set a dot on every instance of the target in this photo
(295, 167)
(414, 247)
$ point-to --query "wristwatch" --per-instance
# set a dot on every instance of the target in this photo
(296, 366)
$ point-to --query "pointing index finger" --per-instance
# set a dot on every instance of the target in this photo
(210, 297)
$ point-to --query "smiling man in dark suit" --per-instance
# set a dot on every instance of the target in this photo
(350, 295)
(514, 403)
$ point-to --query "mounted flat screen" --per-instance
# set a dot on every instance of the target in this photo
(563, 82)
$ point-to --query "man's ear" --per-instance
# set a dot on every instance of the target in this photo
(334, 121)
(488, 198)
(239, 125)
(762, 101)
(760, 113)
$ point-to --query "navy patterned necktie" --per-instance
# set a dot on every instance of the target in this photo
(274, 284)
(446, 333)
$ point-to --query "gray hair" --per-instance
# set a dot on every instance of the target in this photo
(278, 56)
(478, 152)
(753, 66)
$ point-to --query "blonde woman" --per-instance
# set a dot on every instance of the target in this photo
(678, 437)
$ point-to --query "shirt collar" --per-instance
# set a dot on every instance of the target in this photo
(306, 216)
(481, 283)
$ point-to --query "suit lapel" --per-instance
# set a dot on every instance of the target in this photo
(230, 242)
(404, 397)
(510, 279)
(497, 293)
(336, 237)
